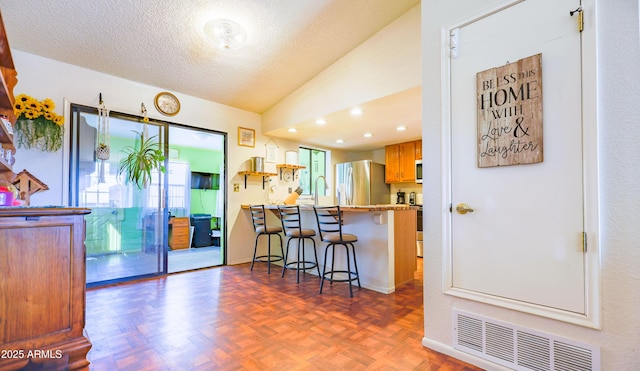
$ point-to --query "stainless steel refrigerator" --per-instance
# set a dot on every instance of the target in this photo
(361, 183)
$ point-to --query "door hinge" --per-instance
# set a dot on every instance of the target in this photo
(580, 12)
(453, 43)
(584, 242)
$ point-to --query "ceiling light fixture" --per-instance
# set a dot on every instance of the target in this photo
(368, 135)
(356, 111)
(321, 121)
(401, 128)
(293, 130)
(340, 141)
(225, 33)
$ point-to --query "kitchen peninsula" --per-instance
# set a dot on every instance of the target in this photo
(386, 247)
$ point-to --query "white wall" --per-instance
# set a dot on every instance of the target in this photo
(619, 133)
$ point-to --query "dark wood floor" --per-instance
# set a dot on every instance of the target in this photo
(229, 318)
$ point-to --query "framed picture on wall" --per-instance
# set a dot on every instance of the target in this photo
(271, 154)
(246, 137)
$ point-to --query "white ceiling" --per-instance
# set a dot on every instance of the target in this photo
(161, 43)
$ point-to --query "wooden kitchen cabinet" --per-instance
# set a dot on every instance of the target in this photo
(418, 149)
(42, 289)
(179, 233)
(400, 162)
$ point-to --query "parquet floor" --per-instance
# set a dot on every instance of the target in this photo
(229, 318)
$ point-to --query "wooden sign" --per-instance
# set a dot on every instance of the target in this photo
(509, 110)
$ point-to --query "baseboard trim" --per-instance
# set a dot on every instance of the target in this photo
(465, 357)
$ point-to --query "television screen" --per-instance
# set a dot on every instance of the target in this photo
(200, 180)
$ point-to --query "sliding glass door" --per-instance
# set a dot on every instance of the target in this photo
(126, 230)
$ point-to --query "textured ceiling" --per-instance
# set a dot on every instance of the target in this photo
(161, 43)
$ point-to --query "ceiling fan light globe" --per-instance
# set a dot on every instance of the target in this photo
(225, 34)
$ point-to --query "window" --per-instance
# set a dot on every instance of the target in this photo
(315, 163)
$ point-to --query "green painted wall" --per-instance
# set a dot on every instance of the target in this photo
(202, 201)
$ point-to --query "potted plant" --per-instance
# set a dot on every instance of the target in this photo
(141, 160)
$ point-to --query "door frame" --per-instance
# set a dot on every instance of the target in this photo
(592, 317)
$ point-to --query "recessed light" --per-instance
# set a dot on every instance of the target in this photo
(356, 111)
(293, 130)
(368, 135)
(401, 128)
(321, 121)
(340, 141)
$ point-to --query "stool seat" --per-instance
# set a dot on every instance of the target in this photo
(300, 233)
(268, 229)
(337, 238)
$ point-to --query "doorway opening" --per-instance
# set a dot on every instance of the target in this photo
(196, 194)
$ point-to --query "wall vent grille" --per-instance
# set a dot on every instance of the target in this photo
(520, 348)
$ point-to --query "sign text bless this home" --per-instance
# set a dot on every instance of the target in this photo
(509, 109)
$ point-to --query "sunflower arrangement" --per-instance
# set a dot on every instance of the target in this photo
(37, 125)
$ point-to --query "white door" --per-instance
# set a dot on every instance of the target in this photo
(523, 241)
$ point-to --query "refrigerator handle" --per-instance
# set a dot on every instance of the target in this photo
(349, 187)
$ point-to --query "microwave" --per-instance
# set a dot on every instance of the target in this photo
(418, 171)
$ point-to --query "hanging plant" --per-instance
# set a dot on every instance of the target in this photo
(143, 159)
(102, 148)
(103, 151)
(37, 125)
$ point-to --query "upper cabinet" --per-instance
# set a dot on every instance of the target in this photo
(419, 149)
(400, 160)
(8, 79)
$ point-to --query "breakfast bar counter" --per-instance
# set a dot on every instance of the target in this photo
(386, 246)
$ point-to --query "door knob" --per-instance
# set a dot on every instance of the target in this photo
(463, 209)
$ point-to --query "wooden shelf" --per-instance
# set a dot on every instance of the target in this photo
(8, 80)
(293, 169)
(264, 176)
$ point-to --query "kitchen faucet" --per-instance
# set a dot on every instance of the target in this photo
(326, 186)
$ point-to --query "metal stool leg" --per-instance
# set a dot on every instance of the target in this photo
(346, 247)
(315, 254)
(324, 267)
(284, 260)
(355, 264)
(255, 251)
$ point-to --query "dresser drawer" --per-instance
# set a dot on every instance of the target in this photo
(179, 222)
(180, 239)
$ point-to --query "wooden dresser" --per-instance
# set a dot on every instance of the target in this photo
(42, 288)
(179, 233)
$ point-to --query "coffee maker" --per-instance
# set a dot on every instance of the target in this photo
(400, 197)
(412, 198)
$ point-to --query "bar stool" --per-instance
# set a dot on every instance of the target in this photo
(330, 228)
(259, 219)
(292, 226)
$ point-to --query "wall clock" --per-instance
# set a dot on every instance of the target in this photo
(167, 104)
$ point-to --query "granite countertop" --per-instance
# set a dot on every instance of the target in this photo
(361, 208)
